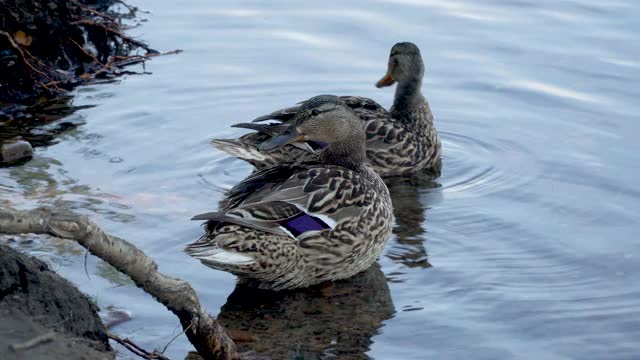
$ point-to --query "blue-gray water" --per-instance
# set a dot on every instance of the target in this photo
(526, 247)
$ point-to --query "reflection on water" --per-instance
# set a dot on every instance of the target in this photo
(31, 123)
(331, 321)
(410, 213)
(44, 181)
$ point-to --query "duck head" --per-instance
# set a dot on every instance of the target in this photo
(325, 119)
(405, 65)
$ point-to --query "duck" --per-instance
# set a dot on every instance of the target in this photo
(299, 223)
(401, 141)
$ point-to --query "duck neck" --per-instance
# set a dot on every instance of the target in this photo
(349, 152)
(408, 99)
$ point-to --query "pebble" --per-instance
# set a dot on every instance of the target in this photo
(13, 151)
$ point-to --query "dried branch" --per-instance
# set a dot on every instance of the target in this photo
(206, 335)
(22, 56)
(87, 53)
(136, 349)
(132, 9)
(174, 339)
(94, 12)
(115, 32)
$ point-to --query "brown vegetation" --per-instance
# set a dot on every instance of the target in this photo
(48, 47)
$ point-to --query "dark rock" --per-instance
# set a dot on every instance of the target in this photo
(34, 300)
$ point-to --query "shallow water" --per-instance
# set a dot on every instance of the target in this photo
(526, 247)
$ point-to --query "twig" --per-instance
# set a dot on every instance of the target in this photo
(93, 11)
(124, 61)
(69, 63)
(86, 271)
(87, 53)
(37, 59)
(132, 9)
(21, 53)
(113, 31)
(174, 338)
(136, 349)
(40, 339)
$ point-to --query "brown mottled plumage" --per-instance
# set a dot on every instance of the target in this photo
(399, 142)
(251, 235)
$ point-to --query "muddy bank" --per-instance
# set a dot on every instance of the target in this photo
(36, 302)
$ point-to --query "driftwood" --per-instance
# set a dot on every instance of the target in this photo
(206, 335)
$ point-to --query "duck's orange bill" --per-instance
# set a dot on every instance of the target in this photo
(385, 81)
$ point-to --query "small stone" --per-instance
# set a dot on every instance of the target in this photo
(116, 159)
(14, 151)
(116, 317)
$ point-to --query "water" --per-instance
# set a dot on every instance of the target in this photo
(526, 247)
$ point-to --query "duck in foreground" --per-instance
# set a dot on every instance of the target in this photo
(399, 142)
(296, 224)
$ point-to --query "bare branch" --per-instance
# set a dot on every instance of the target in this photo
(22, 56)
(116, 32)
(136, 349)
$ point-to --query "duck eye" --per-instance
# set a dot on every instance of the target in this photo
(315, 112)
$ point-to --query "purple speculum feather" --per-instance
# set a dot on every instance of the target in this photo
(302, 223)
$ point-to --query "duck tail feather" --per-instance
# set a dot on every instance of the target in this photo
(239, 149)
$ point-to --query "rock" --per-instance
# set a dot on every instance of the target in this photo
(35, 301)
(14, 151)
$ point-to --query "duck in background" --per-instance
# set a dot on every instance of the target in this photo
(401, 141)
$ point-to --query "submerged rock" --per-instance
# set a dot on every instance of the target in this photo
(14, 151)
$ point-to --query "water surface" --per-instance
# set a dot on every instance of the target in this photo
(526, 247)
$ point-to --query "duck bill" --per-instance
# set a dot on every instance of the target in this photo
(281, 140)
(386, 80)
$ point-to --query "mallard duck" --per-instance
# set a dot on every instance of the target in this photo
(399, 142)
(295, 224)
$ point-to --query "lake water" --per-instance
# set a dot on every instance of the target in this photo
(526, 247)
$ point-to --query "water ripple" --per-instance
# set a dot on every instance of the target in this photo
(475, 168)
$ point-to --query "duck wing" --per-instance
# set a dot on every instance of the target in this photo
(366, 109)
(382, 133)
(292, 200)
(281, 115)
